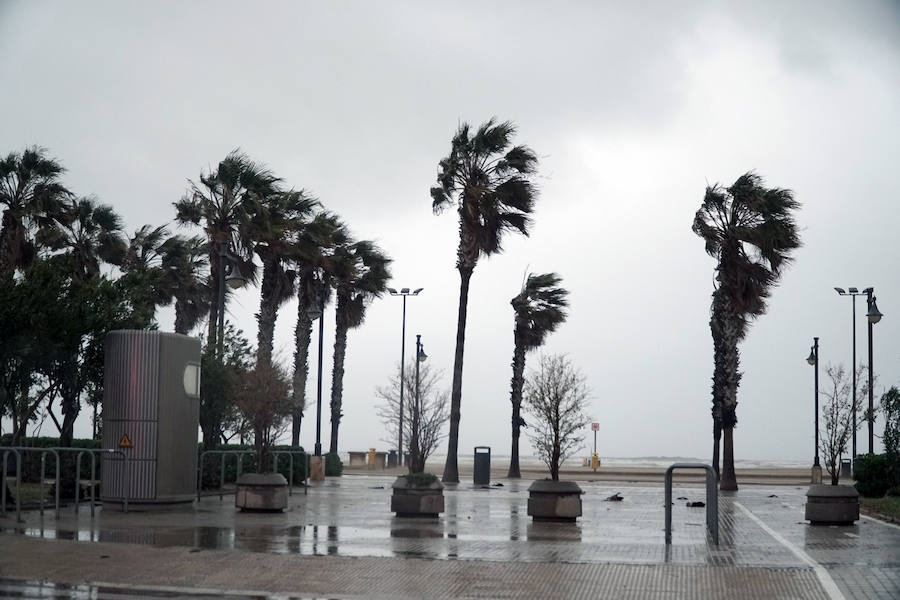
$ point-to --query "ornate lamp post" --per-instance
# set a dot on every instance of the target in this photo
(814, 360)
(417, 465)
(853, 292)
(873, 315)
(230, 275)
(403, 292)
(317, 311)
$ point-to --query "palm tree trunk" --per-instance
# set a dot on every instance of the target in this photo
(518, 380)
(729, 479)
(268, 313)
(6, 267)
(337, 375)
(451, 468)
(212, 339)
(302, 336)
(181, 322)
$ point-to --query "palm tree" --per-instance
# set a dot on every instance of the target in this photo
(750, 231)
(487, 180)
(143, 274)
(88, 234)
(274, 223)
(184, 264)
(359, 273)
(29, 191)
(539, 310)
(221, 203)
(312, 247)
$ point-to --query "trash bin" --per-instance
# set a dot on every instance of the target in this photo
(845, 468)
(482, 465)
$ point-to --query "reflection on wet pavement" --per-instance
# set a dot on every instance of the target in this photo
(13, 588)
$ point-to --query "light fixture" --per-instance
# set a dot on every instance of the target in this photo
(812, 356)
(840, 291)
(874, 314)
(422, 355)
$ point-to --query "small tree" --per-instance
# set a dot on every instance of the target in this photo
(890, 407)
(434, 409)
(264, 398)
(555, 398)
(837, 413)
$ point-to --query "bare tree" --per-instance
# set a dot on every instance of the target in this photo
(264, 399)
(837, 413)
(555, 398)
(434, 406)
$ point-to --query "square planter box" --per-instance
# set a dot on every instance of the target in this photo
(832, 504)
(261, 492)
(417, 501)
(554, 501)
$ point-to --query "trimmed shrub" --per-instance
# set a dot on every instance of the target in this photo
(31, 462)
(872, 475)
(212, 464)
(333, 465)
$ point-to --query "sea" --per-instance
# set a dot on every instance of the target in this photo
(533, 462)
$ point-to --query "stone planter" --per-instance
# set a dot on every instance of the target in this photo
(261, 492)
(832, 504)
(417, 501)
(554, 500)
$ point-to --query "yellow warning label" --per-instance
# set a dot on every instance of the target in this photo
(125, 442)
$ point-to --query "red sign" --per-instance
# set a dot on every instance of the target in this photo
(595, 426)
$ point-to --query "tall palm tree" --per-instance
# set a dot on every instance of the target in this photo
(313, 246)
(143, 273)
(184, 264)
(487, 179)
(88, 234)
(539, 309)
(750, 231)
(273, 226)
(221, 204)
(29, 190)
(359, 273)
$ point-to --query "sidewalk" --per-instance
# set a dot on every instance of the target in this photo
(340, 541)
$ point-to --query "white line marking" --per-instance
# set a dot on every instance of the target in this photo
(880, 522)
(825, 579)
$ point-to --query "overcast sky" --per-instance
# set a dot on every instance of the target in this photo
(632, 110)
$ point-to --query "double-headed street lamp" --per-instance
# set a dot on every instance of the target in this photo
(873, 316)
(814, 360)
(403, 292)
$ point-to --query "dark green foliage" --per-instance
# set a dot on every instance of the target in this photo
(219, 384)
(871, 475)
(890, 408)
(420, 479)
(333, 465)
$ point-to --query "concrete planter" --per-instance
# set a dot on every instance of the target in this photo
(832, 504)
(266, 492)
(417, 501)
(554, 501)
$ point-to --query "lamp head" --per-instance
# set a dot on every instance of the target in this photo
(422, 355)
(874, 315)
(416, 292)
(812, 356)
(392, 291)
(840, 291)
(853, 290)
(404, 291)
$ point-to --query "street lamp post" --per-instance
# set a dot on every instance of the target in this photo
(854, 293)
(814, 360)
(403, 292)
(230, 275)
(318, 312)
(873, 315)
(417, 465)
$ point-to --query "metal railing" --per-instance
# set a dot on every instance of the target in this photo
(43, 452)
(239, 463)
(712, 499)
(6, 452)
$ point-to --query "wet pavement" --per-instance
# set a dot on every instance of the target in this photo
(765, 549)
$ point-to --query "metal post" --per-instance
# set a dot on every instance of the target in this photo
(816, 352)
(871, 413)
(402, 384)
(855, 406)
(6, 452)
(318, 448)
(221, 474)
(712, 500)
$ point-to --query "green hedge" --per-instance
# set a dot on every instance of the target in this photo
(872, 475)
(333, 465)
(212, 464)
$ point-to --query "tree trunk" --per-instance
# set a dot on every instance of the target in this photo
(518, 380)
(70, 409)
(728, 480)
(181, 325)
(302, 336)
(337, 372)
(268, 313)
(212, 338)
(451, 468)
